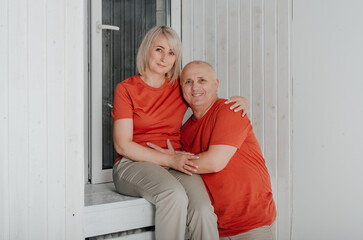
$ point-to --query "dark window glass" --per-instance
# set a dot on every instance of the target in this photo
(119, 49)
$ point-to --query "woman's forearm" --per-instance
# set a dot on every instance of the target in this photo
(140, 153)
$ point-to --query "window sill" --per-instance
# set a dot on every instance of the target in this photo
(107, 211)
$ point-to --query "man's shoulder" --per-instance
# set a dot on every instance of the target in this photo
(224, 115)
(220, 108)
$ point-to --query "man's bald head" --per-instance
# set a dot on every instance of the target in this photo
(199, 63)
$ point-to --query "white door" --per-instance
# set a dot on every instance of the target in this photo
(117, 29)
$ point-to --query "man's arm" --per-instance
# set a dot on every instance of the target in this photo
(215, 159)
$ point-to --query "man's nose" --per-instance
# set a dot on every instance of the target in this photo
(194, 86)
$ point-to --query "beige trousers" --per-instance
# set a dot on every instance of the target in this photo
(261, 233)
(180, 200)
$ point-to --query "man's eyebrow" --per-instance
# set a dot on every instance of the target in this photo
(187, 79)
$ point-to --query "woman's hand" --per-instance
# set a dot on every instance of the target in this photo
(240, 103)
(179, 161)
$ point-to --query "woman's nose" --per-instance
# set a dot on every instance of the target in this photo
(162, 57)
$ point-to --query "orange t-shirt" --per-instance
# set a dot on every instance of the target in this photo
(157, 113)
(240, 193)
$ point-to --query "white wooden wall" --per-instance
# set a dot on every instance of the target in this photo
(41, 119)
(248, 43)
(328, 117)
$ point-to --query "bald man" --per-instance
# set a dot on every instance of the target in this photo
(230, 159)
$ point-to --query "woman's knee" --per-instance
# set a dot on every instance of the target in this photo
(201, 210)
(175, 196)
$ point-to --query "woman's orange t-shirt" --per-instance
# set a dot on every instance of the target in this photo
(157, 113)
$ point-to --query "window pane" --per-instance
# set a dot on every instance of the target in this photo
(119, 49)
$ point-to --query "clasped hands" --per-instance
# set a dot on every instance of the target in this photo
(181, 161)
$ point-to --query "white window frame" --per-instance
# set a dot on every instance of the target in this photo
(97, 174)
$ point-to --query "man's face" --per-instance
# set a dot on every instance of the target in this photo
(199, 85)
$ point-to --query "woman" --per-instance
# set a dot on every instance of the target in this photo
(149, 108)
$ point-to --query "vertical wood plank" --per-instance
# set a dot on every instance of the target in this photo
(257, 71)
(270, 104)
(55, 75)
(234, 78)
(86, 90)
(270, 66)
(187, 28)
(74, 142)
(210, 33)
(18, 120)
(37, 218)
(198, 30)
(4, 121)
(222, 47)
(284, 128)
(246, 53)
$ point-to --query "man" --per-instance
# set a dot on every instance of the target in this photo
(230, 158)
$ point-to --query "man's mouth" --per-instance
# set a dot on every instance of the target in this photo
(196, 94)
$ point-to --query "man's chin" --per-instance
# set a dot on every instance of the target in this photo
(196, 104)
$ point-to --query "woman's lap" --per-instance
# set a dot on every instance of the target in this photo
(143, 179)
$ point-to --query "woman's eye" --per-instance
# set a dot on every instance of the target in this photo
(158, 49)
(171, 53)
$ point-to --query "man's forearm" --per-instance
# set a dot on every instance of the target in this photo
(215, 159)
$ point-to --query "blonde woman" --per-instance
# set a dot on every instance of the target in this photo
(149, 107)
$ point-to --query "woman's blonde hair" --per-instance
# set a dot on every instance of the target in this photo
(174, 42)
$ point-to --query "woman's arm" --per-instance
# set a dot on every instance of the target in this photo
(125, 146)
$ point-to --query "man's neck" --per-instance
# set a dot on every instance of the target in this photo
(200, 111)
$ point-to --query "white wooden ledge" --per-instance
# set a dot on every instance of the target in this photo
(107, 211)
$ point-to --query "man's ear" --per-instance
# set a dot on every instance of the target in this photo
(217, 82)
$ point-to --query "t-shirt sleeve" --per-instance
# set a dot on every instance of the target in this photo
(230, 128)
(122, 104)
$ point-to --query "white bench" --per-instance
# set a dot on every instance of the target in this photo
(107, 211)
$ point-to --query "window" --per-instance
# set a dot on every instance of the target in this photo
(117, 29)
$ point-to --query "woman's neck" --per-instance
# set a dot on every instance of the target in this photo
(153, 80)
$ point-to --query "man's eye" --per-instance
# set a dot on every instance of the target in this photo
(202, 80)
(187, 82)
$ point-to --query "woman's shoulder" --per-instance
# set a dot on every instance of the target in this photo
(130, 81)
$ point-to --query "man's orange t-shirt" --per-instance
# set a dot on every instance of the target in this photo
(157, 113)
(240, 193)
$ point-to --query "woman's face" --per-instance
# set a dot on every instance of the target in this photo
(161, 57)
